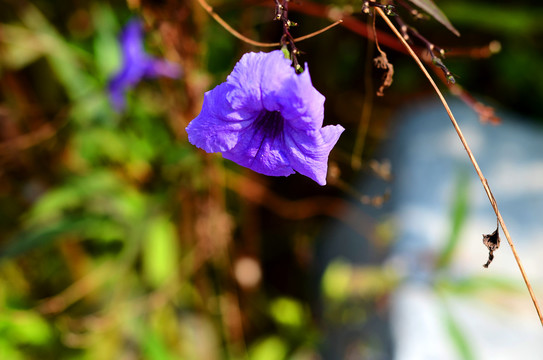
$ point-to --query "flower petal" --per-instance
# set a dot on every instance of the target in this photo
(309, 150)
(131, 40)
(217, 127)
(259, 78)
(136, 64)
(157, 67)
(301, 104)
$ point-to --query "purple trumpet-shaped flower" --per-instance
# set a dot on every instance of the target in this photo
(137, 64)
(267, 118)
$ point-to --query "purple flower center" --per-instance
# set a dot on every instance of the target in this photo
(269, 124)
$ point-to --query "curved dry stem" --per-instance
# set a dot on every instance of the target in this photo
(318, 32)
(472, 159)
(244, 38)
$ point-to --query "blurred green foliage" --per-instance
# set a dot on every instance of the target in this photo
(121, 240)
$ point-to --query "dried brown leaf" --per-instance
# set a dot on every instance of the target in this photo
(492, 242)
(381, 62)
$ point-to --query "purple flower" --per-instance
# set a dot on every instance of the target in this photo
(136, 65)
(267, 118)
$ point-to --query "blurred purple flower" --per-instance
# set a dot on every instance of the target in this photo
(136, 65)
(267, 118)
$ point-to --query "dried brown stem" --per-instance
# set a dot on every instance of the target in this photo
(381, 62)
(244, 38)
(472, 159)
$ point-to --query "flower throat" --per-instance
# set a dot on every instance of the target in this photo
(269, 124)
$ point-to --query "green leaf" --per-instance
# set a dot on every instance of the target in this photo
(96, 144)
(509, 20)
(154, 346)
(35, 238)
(288, 312)
(476, 284)
(459, 340)
(26, 327)
(65, 59)
(459, 216)
(106, 45)
(8, 350)
(16, 49)
(271, 348)
(436, 13)
(99, 192)
(159, 252)
(342, 281)
(336, 280)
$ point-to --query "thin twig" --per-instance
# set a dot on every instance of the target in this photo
(472, 159)
(318, 32)
(243, 38)
(365, 117)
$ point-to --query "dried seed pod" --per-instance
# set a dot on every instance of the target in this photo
(492, 242)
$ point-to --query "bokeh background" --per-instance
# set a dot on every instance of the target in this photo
(120, 240)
